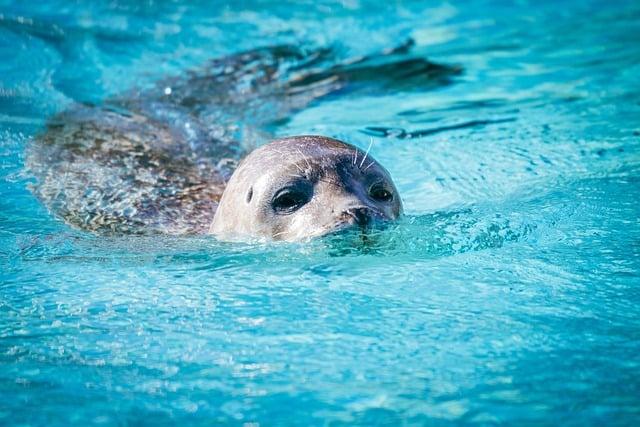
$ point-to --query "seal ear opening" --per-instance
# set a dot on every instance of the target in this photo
(249, 195)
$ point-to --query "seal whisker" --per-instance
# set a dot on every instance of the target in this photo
(367, 152)
(294, 164)
(330, 182)
(368, 166)
(305, 158)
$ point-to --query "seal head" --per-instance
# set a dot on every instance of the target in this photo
(302, 187)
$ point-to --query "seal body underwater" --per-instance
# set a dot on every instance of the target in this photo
(163, 160)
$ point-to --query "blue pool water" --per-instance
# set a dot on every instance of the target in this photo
(509, 293)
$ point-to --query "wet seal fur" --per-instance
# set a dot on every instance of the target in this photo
(163, 160)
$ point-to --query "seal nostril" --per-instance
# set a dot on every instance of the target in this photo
(362, 216)
(249, 194)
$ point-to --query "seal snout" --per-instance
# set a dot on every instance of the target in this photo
(361, 216)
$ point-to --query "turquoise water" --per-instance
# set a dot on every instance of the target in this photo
(509, 293)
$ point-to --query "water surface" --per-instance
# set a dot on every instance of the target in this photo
(509, 294)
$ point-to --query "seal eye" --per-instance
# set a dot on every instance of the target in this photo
(290, 199)
(379, 193)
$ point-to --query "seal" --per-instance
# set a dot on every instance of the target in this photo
(163, 159)
(301, 187)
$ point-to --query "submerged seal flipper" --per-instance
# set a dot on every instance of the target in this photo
(157, 160)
